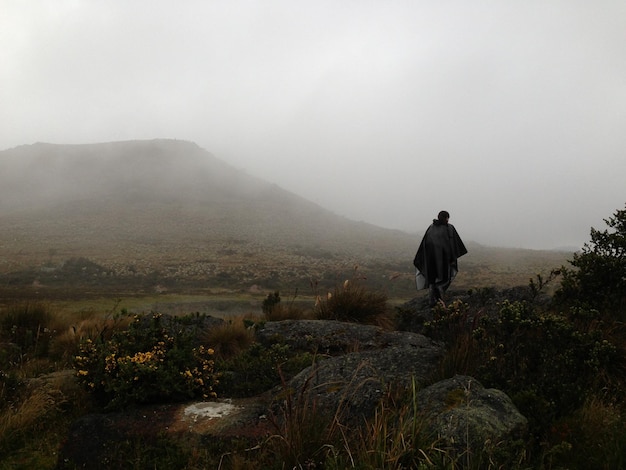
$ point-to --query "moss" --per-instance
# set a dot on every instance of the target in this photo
(455, 397)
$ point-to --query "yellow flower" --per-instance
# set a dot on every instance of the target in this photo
(82, 372)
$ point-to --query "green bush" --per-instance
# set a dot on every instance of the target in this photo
(599, 277)
(258, 369)
(274, 310)
(557, 358)
(156, 359)
(270, 301)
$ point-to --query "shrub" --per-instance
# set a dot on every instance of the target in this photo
(597, 432)
(258, 369)
(599, 280)
(270, 301)
(557, 358)
(274, 310)
(156, 359)
(353, 302)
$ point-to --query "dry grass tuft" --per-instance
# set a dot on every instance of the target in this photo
(356, 303)
(230, 338)
(65, 344)
(29, 414)
(281, 312)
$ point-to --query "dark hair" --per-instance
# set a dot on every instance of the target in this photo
(443, 216)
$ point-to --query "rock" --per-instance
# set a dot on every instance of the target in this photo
(94, 438)
(467, 416)
(354, 383)
(334, 337)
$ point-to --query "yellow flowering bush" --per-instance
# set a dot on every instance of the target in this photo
(157, 359)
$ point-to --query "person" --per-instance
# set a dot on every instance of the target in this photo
(436, 258)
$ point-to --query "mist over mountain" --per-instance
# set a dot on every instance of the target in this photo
(157, 170)
(116, 197)
(170, 211)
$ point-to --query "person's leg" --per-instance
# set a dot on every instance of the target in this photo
(434, 295)
(438, 291)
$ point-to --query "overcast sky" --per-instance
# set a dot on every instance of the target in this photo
(509, 114)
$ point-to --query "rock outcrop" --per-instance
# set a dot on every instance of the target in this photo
(366, 362)
(465, 416)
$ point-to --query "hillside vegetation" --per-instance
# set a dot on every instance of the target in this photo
(147, 217)
(559, 359)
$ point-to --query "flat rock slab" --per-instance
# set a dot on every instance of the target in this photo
(94, 436)
(335, 337)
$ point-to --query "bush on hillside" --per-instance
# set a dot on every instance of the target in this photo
(599, 277)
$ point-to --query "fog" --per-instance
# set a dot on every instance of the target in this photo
(510, 115)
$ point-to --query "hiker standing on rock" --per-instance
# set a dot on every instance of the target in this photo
(436, 258)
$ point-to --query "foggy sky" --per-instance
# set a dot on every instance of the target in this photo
(511, 115)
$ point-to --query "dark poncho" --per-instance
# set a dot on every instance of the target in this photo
(436, 258)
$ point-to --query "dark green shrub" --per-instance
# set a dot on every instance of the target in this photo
(274, 310)
(556, 358)
(599, 277)
(156, 359)
(258, 369)
(449, 322)
(270, 302)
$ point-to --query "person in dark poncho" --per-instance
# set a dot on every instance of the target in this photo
(436, 258)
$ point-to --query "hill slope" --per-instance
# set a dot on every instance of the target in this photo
(169, 213)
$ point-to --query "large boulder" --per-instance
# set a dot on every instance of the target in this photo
(466, 416)
(335, 337)
(351, 385)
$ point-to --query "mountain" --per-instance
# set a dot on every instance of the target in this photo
(166, 214)
(170, 207)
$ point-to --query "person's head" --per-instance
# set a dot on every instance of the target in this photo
(443, 217)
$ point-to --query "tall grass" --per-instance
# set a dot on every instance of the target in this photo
(276, 310)
(595, 436)
(354, 302)
(28, 327)
(230, 338)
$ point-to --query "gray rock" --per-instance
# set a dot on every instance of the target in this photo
(353, 384)
(334, 337)
(468, 417)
